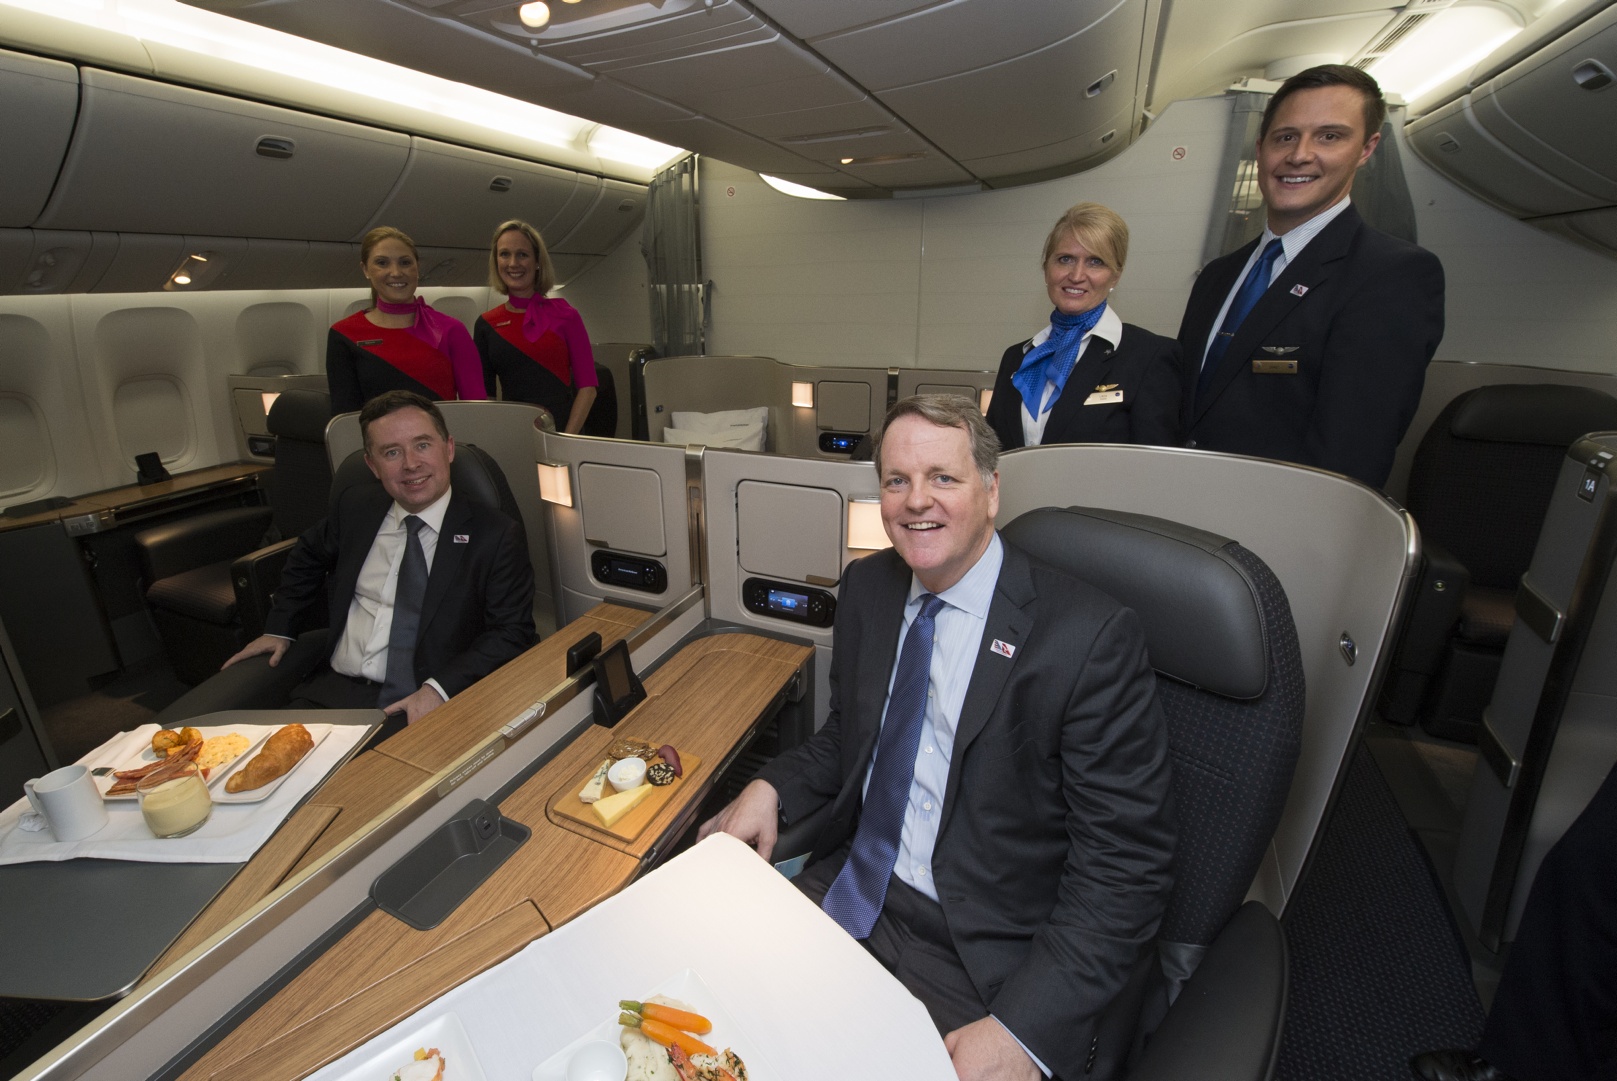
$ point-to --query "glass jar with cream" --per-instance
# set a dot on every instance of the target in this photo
(175, 805)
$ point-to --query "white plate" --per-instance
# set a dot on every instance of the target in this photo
(688, 988)
(317, 732)
(145, 756)
(445, 1032)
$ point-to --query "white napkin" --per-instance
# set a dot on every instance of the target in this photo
(231, 835)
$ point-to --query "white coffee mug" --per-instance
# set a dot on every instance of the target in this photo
(69, 801)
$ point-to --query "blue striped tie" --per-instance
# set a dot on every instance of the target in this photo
(855, 899)
(1253, 287)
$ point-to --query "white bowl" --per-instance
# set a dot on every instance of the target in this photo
(598, 1061)
(627, 773)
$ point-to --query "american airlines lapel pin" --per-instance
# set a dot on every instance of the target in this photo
(1299, 290)
(1004, 649)
(462, 538)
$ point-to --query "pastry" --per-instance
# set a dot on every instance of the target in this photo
(276, 758)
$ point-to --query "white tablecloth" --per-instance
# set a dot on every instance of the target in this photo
(806, 1001)
(231, 835)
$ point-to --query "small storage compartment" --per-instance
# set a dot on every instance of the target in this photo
(38, 101)
(842, 406)
(789, 531)
(453, 197)
(622, 507)
(152, 158)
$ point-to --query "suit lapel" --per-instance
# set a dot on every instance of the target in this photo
(1090, 371)
(447, 560)
(886, 620)
(365, 514)
(1009, 618)
(1312, 267)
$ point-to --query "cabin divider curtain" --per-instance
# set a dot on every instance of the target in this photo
(672, 245)
(1380, 192)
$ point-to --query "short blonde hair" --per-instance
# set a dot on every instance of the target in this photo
(544, 271)
(1100, 229)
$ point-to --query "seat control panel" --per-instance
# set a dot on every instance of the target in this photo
(839, 442)
(630, 572)
(783, 600)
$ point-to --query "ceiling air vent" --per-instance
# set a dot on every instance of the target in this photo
(276, 146)
(1406, 22)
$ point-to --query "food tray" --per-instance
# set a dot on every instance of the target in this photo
(566, 803)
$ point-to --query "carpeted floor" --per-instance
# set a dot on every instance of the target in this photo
(80, 725)
(1378, 972)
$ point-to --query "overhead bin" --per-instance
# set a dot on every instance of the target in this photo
(451, 196)
(38, 100)
(1455, 143)
(51, 261)
(152, 158)
(617, 211)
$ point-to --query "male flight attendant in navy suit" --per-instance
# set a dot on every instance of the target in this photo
(1310, 344)
(996, 767)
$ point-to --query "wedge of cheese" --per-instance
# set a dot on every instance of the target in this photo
(595, 787)
(611, 808)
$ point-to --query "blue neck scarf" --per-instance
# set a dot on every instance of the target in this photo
(1053, 361)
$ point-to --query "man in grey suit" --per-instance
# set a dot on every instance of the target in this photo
(996, 765)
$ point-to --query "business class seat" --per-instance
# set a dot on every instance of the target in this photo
(603, 415)
(253, 684)
(1220, 635)
(190, 564)
(1478, 489)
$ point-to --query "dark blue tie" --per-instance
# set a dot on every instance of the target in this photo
(856, 897)
(408, 594)
(1246, 298)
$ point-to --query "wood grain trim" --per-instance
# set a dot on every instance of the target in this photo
(307, 1047)
(267, 869)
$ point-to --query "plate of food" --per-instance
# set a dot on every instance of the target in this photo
(256, 777)
(678, 1032)
(215, 750)
(438, 1050)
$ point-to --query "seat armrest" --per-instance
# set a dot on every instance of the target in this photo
(799, 838)
(1434, 609)
(254, 577)
(1226, 1023)
(189, 543)
(250, 684)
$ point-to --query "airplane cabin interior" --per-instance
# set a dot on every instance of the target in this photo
(775, 218)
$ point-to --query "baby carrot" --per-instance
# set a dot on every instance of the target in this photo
(667, 1035)
(669, 1015)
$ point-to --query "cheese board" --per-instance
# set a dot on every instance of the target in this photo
(633, 822)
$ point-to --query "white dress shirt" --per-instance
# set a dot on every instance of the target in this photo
(363, 649)
(1109, 329)
(1291, 246)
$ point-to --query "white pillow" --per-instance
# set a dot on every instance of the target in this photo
(743, 437)
(718, 422)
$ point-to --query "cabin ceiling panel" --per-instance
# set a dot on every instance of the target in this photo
(810, 19)
(728, 144)
(153, 158)
(1090, 149)
(811, 130)
(38, 101)
(618, 210)
(268, 264)
(142, 263)
(952, 38)
(451, 196)
(988, 112)
(1487, 108)
(769, 76)
(919, 173)
(641, 33)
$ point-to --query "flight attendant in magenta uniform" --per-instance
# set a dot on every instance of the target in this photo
(399, 342)
(1088, 377)
(535, 345)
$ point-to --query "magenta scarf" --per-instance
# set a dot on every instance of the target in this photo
(431, 325)
(539, 314)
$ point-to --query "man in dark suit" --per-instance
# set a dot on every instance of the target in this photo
(1311, 343)
(996, 765)
(428, 592)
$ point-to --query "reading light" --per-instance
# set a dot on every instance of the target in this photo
(182, 278)
(555, 483)
(865, 530)
(534, 15)
(847, 161)
(798, 191)
(269, 397)
(803, 395)
(983, 398)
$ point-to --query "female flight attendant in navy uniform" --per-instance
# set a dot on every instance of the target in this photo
(535, 345)
(399, 343)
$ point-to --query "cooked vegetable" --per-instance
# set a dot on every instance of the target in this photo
(669, 1015)
(667, 1035)
(667, 753)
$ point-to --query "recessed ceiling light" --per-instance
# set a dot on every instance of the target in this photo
(182, 279)
(798, 191)
(534, 15)
(847, 161)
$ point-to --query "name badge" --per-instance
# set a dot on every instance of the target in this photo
(503, 323)
(370, 341)
(1274, 367)
(1104, 397)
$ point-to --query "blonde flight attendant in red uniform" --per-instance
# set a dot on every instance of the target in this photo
(534, 345)
(399, 342)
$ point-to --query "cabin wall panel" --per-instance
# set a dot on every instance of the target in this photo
(610, 295)
(45, 446)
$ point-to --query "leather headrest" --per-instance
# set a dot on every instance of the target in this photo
(473, 473)
(301, 414)
(1548, 414)
(1200, 611)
